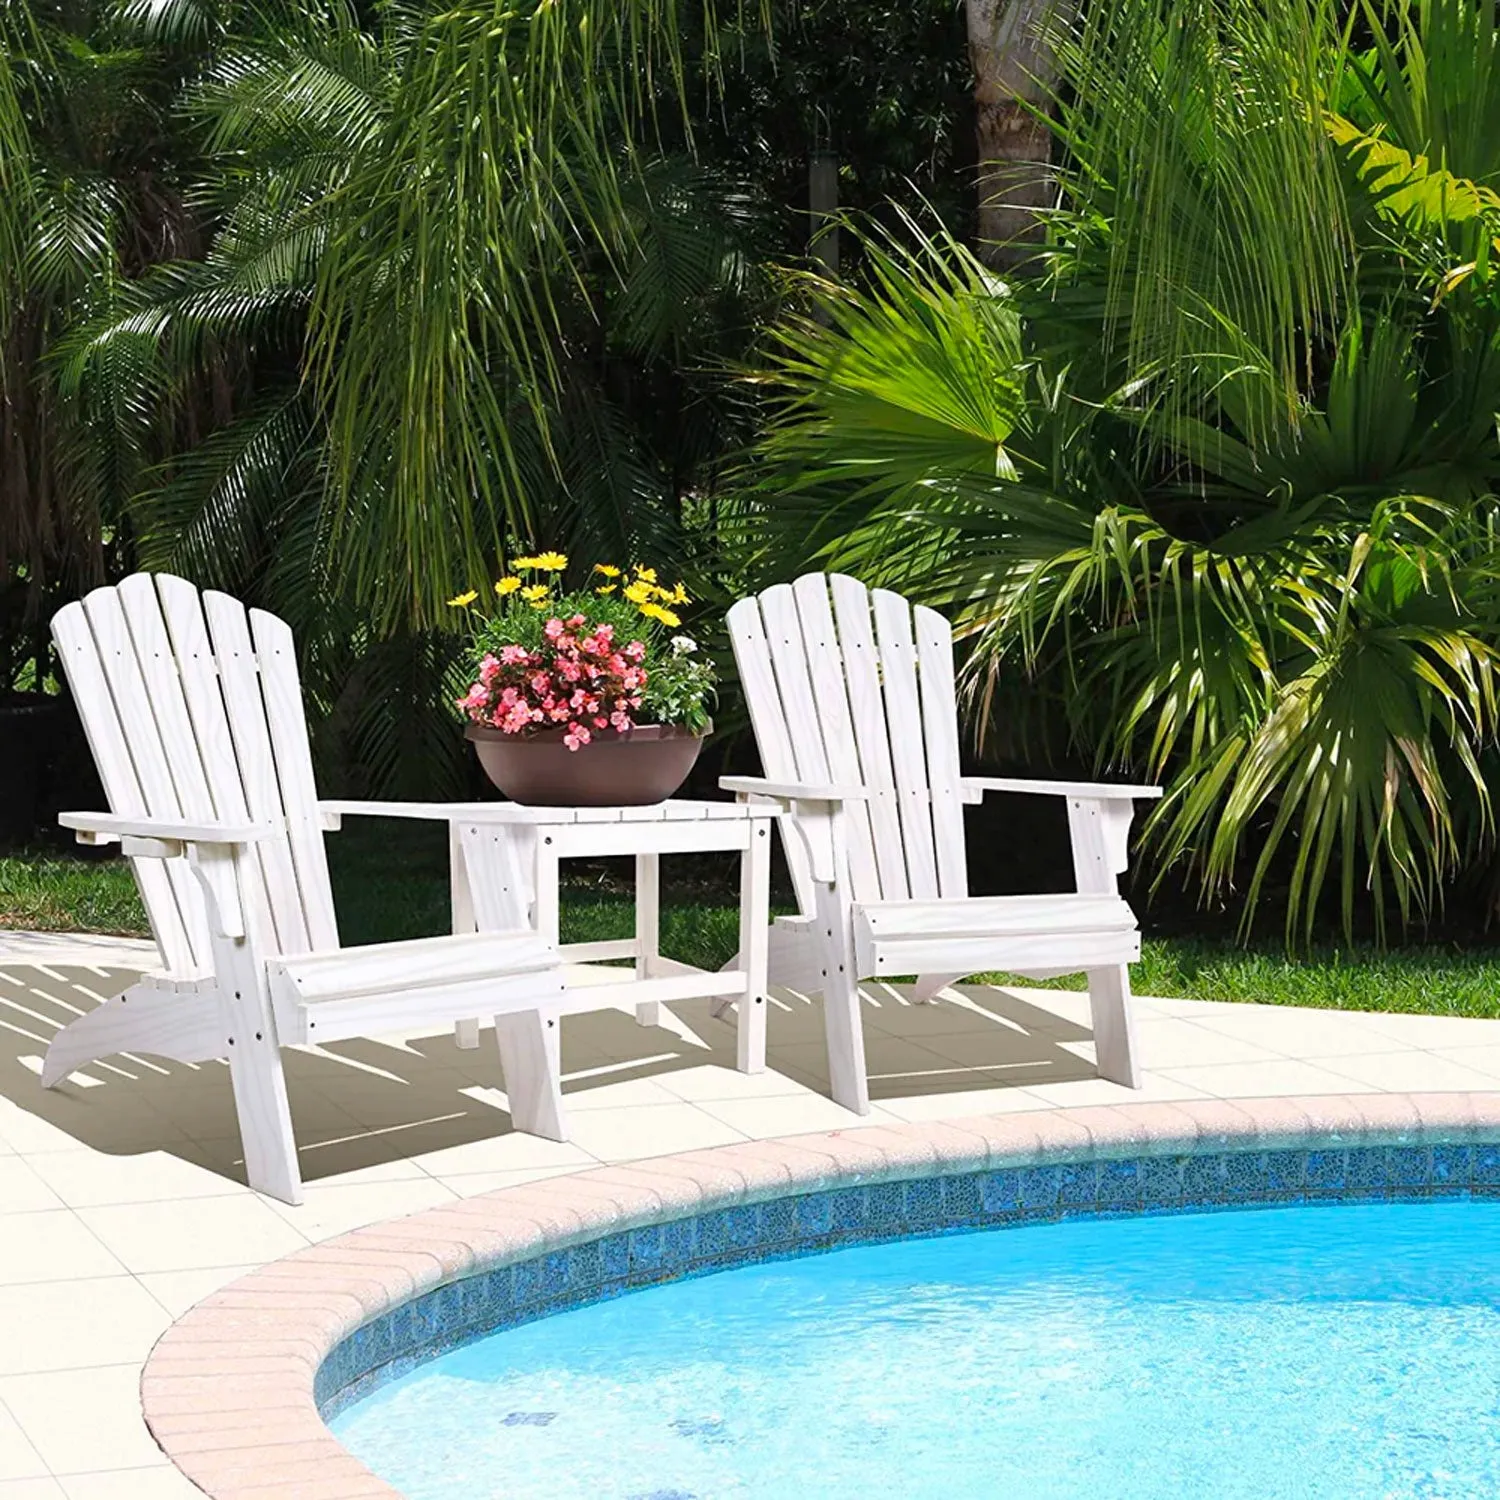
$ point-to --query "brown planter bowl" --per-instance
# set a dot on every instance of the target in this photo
(630, 768)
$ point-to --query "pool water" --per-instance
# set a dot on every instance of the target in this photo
(1348, 1350)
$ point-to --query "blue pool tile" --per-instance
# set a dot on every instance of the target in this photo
(1286, 1171)
(922, 1203)
(526, 1282)
(1161, 1180)
(678, 1243)
(713, 1234)
(961, 1202)
(813, 1215)
(557, 1272)
(1487, 1164)
(645, 1248)
(745, 1226)
(1205, 1179)
(1000, 1192)
(1041, 1187)
(1119, 1184)
(1409, 1166)
(448, 1309)
(1327, 1170)
(885, 1208)
(615, 1252)
(778, 1221)
(1452, 1165)
(1245, 1174)
(1078, 1185)
(848, 1209)
(1368, 1170)
(588, 1264)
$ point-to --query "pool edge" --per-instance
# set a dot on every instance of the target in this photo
(229, 1390)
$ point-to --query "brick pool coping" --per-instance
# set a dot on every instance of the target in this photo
(229, 1392)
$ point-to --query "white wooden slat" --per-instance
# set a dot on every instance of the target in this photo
(286, 718)
(934, 638)
(239, 682)
(1073, 953)
(851, 608)
(143, 744)
(752, 656)
(778, 610)
(903, 712)
(1065, 912)
(79, 654)
(831, 701)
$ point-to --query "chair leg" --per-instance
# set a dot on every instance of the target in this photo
(531, 1059)
(466, 1034)
(846, 1044)
(265, 1117)
(925, 990)
(1114, 1025)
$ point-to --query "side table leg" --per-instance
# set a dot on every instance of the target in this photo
(530, 1046)
(647, 929)
(755, 935)
(466, 1031)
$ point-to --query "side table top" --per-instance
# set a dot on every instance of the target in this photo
(686, 810)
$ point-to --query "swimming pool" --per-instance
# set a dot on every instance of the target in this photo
(1331, 1349)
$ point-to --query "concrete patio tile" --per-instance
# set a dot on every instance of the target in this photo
(512, 1151)
(1304, 1034)
(644, 1130)
(79, 1122)
(18, 1459)
(73, 1325)
(1411, 1071)
(1436, 1031)
(1156, 1089)
(31, 1489)
(53, 1245)
(1175, 1042)
(335, 1208)
(595, 1092)
(84, 1421)
(470, 1184)
(1483, 1059)
(164, 1482)
(789, 1115)
(177, 1291)
(1008, 1099)
(1265, 1080)
(22, 1190)
(708, 1081)
(193, 1234)
(91, 1180)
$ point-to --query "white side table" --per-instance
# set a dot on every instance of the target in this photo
(505, 877)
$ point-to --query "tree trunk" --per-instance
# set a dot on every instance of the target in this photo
(1013, 71)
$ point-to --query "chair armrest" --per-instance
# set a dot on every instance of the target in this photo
(107, 828)
(974, 788)
(333, 813)
(791, 791)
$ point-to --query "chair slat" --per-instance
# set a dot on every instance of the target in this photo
(872, 736)
(79, 654)
(940, 734)
(287, 720)
(831, 701)
(239, 682)
(903, 710)
(142, 742)
(772, 732)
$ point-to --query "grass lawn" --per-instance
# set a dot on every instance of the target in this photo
(391, 881)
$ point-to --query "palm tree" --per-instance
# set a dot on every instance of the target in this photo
(1217, 497)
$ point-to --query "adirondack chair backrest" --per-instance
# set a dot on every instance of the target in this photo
(194, 712)
(853, 686)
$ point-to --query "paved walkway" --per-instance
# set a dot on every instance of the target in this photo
(121, 1200)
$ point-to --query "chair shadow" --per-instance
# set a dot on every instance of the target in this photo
(366, 1103)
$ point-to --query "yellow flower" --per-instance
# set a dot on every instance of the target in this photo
(550, 562)
(638, 592)
(536, 592)
(656, 612)
(464, 599)
(507, 585)
(608, 569)
(608, 588)
(648, 575)
(523, 562)
(680, 595)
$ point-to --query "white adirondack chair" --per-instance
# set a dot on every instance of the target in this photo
(194, 714)
(851, 692)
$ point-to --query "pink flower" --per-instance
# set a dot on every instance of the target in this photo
(636, 650)
(620, 720)
(488, 668)
(513, 655)
(576, 736)
(552, 629)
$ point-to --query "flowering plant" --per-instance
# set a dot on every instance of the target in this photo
(594, 660)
